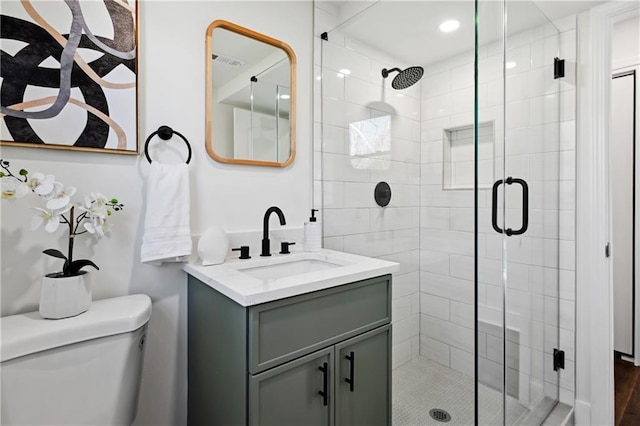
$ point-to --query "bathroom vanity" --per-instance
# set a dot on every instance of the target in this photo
(299, 340)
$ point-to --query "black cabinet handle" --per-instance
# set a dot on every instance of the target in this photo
(325, 383)
(525, 206)
(352, 366)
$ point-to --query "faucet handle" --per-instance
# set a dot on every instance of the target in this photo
(284, 247)
(244, 252)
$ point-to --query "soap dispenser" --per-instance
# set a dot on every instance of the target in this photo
(312, 234)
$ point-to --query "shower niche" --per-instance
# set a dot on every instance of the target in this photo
(458, 157)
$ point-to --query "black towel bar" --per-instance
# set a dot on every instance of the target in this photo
(165, 133)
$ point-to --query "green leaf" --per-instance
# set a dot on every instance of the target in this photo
(2, 175)
(74, 267)
(23, 172)
(55, 253)
(114, 201)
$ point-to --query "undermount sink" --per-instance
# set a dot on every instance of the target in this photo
(288, 269)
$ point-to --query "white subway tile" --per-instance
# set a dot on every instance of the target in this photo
(431, 174)
(359, 195)
(334, 139)
(394, 218)
(333, 194)
(436, 107)
(446, 332)
(461, 314)
(447, 287)
(370, 244)
(434, 306)
(345, 222)
(405, 329)
(432, 130)
(405, 240)
(567, 284)
(405, 285)
(461, 361)
(435, 218)
(333, 243)
(401, 354)
(462, 77)
(437, 84)
(405, 151)
(401, 308)
(567, 314)
(338, 167)
(434, 350)
(409, 260)
(448, 241)
(405, 195)
(431, 152)
(434, 261)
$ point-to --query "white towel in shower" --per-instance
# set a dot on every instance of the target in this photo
(167, 234)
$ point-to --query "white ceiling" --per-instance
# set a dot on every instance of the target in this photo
(408, 30)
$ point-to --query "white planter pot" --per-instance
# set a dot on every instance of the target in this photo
(65, 296)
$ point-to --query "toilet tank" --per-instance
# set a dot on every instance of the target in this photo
(83, 370)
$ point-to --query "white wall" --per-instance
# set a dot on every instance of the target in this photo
(625, 46)
(171, 91)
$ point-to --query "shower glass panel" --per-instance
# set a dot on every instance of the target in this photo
(518, 232)
(475, 312)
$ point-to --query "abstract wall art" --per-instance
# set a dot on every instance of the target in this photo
(68, 74)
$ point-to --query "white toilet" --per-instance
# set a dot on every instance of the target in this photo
(83, 370)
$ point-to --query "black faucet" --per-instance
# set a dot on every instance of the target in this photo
(266, 244)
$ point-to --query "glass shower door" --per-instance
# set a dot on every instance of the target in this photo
(518, 187)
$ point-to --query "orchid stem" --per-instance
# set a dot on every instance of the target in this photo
(71, 235)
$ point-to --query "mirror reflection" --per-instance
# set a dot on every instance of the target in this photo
(250, 97)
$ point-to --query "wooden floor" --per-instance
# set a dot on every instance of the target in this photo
(627, 388)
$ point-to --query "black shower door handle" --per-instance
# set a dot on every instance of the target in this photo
(525, 206)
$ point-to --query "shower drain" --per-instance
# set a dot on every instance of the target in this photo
(440, 415)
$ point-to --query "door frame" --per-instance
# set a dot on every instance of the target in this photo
(594, 299)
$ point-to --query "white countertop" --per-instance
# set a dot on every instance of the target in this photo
(228, 278)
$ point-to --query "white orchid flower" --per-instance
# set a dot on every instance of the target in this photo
(61, 196)
(41, 184)
(95, 205)
(13, 188)
(97, 226)
(50, 219)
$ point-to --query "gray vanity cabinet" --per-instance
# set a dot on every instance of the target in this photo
(321, 358)
(289, 394)
(363, 388)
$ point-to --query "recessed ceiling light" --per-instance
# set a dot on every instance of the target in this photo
(450, 25)
(510, 65)
(345, 71)
(284, 96)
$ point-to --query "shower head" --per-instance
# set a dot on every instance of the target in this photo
(404, 79)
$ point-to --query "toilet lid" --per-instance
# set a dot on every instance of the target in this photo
(29, 333)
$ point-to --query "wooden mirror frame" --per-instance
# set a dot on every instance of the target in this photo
(209, 93)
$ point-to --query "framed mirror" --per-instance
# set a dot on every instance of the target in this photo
(251, 97)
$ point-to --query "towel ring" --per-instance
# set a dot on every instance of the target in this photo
(165, 133)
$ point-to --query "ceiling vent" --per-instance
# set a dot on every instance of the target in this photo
(228, 60)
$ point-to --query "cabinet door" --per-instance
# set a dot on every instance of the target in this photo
(363, 384)
(293, 394)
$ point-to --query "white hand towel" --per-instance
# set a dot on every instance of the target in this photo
(167, 235)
